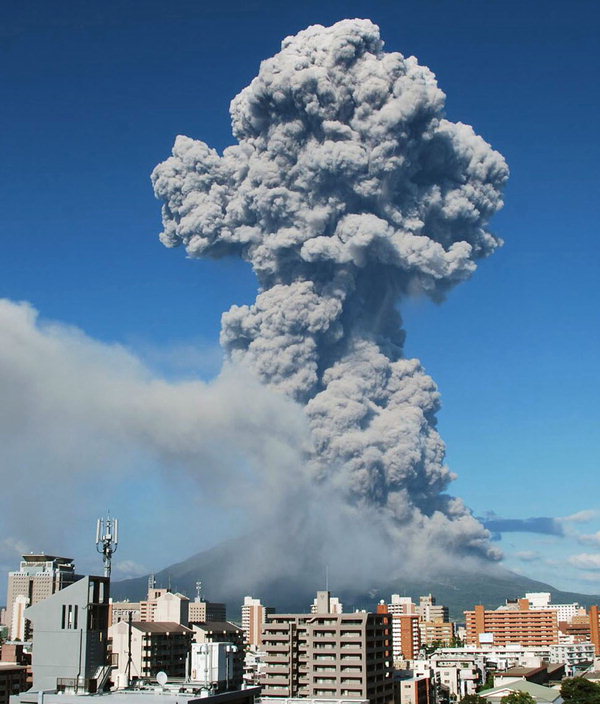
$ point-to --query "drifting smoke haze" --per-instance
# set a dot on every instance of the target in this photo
(348, 191)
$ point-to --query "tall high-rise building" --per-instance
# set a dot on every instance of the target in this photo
(521, 625)
(406, 636)
(429, 610)
(328, 655)
(401, 605)
(39, 576)
(253, 617)
(595, 628)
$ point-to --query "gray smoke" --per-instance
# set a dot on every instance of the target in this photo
(348, 190)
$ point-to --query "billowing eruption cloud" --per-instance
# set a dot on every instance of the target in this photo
(347, 191)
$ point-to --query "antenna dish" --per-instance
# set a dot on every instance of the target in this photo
(162, 678)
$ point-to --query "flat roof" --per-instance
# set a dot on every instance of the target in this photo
(147, 696)
(42, 557)
(217, 626)
(159, 627)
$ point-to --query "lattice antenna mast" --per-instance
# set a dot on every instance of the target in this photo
(198, 590)
(107, 539)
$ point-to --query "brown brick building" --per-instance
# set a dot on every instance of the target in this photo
(595, 628)
(520, 625)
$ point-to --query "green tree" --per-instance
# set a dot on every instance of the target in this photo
(489, 682)
(518, 697)
(578, 690)
(473, 699)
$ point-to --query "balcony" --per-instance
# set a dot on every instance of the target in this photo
(277, 648)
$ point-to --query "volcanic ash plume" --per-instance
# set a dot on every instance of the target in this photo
(347, 190)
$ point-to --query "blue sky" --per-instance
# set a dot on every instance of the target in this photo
(95, 94)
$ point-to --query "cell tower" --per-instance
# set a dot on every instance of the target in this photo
(107, 538)
(198, 591)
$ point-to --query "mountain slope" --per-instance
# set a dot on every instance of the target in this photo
(459, 591)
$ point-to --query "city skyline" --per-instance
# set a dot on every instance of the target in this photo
(86, 255)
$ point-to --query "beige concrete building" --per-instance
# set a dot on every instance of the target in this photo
(400, 605)
(335, 605)
(201, 611)
(154, 647)
(148, 606)
(437, 633)
(171, 607)
(328, 655)
(253, 618)
(429, 610)
(39, 576)
(120, 611)
(163, 605)
(416, 690)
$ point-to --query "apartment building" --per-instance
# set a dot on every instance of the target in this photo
(406, 637)
(406, 633)
(39, 576)
(594, 616)
(521, 625)
(254, 615)
(458, 675)
(416, 690)
(429, 610)
(328, 655)
(400, 605)
(577, 630)
(148, 606)
(148, 649)
(437, 632)
(564, 612)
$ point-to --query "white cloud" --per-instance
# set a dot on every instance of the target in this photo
(585, 561)
(126, 569)
(581, 516)
(591, 539)
(527, 555)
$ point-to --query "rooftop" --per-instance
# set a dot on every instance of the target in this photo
(160, 627)
(537, 691)
(224, 626)
(42, 557)
(147, 696)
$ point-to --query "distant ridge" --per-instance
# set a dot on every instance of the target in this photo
(459, 591)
